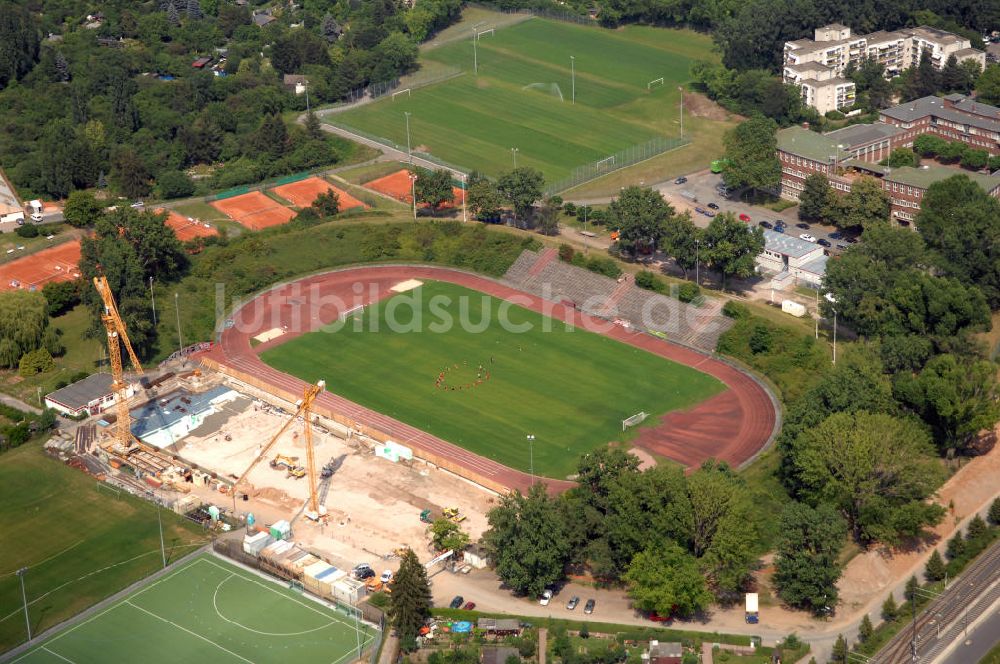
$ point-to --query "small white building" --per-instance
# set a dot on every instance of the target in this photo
(89, 396)
(476, 556)
(805, 261)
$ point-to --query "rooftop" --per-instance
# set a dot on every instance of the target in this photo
(883, 36)
(935, 106)
(83, 392)
(816, 265)
(809, 144)
(788, 245)
(861, 134)
(499, 624)
(966, 52)
(665, 649)
(498, 654)
(925, 176)
(936, 35)
(166, 411)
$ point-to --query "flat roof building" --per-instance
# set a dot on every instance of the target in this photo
(89, 396)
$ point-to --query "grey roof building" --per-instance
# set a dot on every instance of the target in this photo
(89, 396)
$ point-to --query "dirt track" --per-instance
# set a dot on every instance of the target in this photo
(732, 426)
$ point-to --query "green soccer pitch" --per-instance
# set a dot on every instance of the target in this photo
(523, 96)
(570, 389)
(209, 611)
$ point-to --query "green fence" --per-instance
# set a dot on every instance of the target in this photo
(288, 179)
(229, 193)
(619, 160)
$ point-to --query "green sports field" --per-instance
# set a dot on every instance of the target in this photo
(523, 96)
(485, 389)
(209, 611)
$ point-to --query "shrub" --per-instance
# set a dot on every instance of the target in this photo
(174, 184)
(646, 279)
(761, 338)
(688, 291)
(994, 514)
(890, 611)
(835, 115)
(735, 310)
(569, 209)
(27, 230)
(975, 159)
(792, 642)
(35, 362)
(566, 253)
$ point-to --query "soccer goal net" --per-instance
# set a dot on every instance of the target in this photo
(655, 83)
(634, 420)
(405, 91)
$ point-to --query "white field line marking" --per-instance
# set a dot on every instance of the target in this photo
(52, 652)
(215, 597)
(290, 599)
(195, 634)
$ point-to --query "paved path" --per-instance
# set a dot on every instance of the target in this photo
(20, 405)
(388, 151)
(543, 644)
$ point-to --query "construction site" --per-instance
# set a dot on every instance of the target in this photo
(239, 459)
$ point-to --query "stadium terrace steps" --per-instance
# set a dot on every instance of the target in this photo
(700, 327)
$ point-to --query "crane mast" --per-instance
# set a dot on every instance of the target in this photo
(117, 337)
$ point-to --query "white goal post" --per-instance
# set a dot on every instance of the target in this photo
(655, 82)
(634, 420)
(487, 31)
(610, 161)
(399, 92)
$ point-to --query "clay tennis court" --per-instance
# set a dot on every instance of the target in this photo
(254, 210)
(397, 185)
(187, 229)
(304, 192)
(59, 263)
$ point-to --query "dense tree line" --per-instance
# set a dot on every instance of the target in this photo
(120, 106)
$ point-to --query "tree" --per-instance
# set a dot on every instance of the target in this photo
(313, 127)
(447, 535)
(865, 206)
(193, 9)
(840, 650)
(975, 160)
(988, 85)
(82, 209)
(733, 553)
(994, 514)
(526, 541)
(124, 113)
(23, 323)
(521, 187)
(665, 579)
(871, 467)
(922, 80)
(174, 184)
(903, 157)
(928, 145)
(20, 40)
(751, 147)
(548, 218)
(934, 570)
(815, 197)
(806, 567)
(60, 297)
(640, 215)
(956, 396)
(682, 241)
(61, 67)
(410, 600)
(961, 224)
(173, 16)
(327, 203)
(865, 629)
(434, 187)
(976, 529)
(35, 362)
(889, 609)
(910, 591)
(271, 137)
(484, 201)
(394, 56)
(329, 28)
(956, 546)
(130, 174)
(731, 246)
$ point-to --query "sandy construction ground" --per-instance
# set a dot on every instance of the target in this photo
(373, 504)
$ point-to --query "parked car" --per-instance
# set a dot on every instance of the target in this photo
(744, 217)
(588, 608)
(571, 604)
(363, 574)
(779, 229)
(680, 180)
(765, 224)
(823, 242)
(469, 606)
(836, 235)
(137, 205)
(803, 225)
(850, 240)
(713, 206)
(656, 617)
(457, 602)
(36, 217)
(709, 214)
(841, 246)
(545, 598)
(699, 210)
(807, 238)
(386, 576)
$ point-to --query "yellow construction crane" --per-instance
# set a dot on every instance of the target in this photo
(303, 408)
(117, 337)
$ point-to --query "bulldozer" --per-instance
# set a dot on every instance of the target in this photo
(426, 517)
(282, 461)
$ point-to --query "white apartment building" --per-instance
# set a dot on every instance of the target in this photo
(818, 65)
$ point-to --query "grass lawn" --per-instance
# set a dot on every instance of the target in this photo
(83, 353)
(11, 242)
(523, 93)
(209, 611)
(571, 390)
(368, 172)
(80, 543)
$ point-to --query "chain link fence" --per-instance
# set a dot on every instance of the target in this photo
(376, 90)
(619, 160)
(540, 12)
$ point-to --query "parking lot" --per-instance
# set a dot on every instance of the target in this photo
(700, 191)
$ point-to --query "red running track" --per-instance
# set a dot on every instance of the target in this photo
(731, 426)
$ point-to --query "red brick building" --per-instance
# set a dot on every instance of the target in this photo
(954, 118)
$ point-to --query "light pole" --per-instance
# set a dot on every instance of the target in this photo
(475, 53)
(531, 455)
(159, 522)
(465, 189)
(409, 154)
(697, 262)
(682, 110)
(572, 65)
(152, 299)
(833, 300)
(177, 310)
(24, 596)
(413, 193)
(513, 152)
